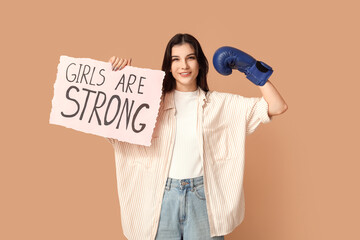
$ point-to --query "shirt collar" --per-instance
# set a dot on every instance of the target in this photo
(169, 101)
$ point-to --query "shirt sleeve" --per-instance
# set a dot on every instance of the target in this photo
(256, 113)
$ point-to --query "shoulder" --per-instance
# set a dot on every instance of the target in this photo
(231, 100)
(222, 96)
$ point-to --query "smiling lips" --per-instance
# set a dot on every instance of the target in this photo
(185, 74)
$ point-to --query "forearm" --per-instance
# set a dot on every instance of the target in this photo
(276, 103)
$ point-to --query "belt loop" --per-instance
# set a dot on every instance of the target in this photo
(168, 183)
(192, 184)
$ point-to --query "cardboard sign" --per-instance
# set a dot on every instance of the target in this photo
(90, 97)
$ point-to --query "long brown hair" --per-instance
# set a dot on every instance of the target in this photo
(169, 81)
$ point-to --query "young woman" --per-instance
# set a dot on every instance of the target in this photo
(188, 184)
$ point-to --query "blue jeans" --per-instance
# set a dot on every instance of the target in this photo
(183, 211)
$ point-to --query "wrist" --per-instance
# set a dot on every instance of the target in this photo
(259, 73)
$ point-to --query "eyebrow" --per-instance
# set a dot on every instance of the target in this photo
(186, 55)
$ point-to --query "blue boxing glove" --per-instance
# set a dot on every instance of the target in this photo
(227, 58)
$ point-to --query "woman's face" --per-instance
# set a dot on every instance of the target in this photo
(184, 67)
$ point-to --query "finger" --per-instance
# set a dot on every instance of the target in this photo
(112, 59)
(130, 62)
(124, 64)
(118, 65)
(116, 62)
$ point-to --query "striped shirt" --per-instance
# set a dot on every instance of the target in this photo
(223, 121)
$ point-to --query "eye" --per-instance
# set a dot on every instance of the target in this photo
(192, 57)
(174, 59)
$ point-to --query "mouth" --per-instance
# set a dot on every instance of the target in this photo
(185, 74)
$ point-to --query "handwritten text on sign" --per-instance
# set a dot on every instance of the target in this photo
(90, 97)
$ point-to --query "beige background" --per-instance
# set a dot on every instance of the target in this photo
(301, 175)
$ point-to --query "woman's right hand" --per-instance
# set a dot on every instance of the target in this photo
(119, 63)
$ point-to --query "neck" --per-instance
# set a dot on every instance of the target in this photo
(186, 88)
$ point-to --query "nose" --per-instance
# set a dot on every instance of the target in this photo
(184, 64)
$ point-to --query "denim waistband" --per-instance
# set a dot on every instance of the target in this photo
(184, 183)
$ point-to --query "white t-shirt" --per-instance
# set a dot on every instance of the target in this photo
(186, 160)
